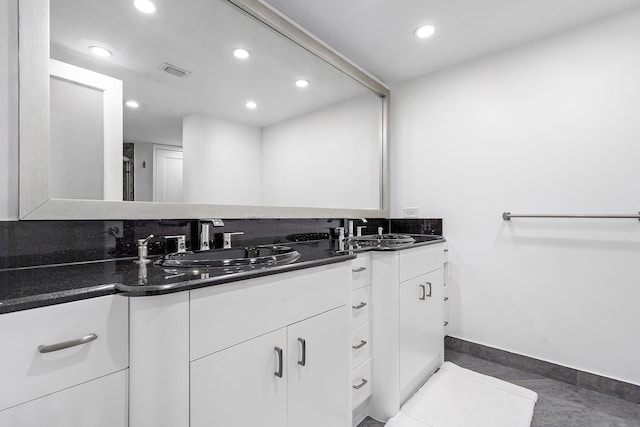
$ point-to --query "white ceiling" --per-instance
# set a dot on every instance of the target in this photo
(199, 36)
(378, 34)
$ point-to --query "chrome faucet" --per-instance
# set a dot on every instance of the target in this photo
(358, 229)
(226, 238)
(204, 231)
(143, 250)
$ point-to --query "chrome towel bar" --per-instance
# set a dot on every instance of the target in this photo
(508, 215)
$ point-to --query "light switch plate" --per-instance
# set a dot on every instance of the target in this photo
(410, 212)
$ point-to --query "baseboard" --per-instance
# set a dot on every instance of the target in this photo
(586, 380)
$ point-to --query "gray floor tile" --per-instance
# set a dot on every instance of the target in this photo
(559, 404)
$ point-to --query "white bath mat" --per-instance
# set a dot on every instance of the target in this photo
(458, 397)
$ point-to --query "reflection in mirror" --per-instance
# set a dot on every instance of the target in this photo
(162, 114)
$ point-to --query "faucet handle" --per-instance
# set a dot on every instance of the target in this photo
(215, 222)
(226, 238)
(143, 242)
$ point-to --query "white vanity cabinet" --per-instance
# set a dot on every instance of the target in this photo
(291, 376)
(66, 364)
(421, 330)
(271, 351)
(361, 344)
(408, 311)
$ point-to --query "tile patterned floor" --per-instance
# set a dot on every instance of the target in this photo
(559, 404)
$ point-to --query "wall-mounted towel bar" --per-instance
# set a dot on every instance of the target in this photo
(508, 215)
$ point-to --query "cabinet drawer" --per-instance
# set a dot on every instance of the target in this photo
(27, 374)
(361, 340)
(360, 306)
(101, 402)
(225, 315)
(361, 384)
(361, 271)
(418, 261)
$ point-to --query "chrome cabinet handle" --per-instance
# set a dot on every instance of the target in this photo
(358, 270)
(362, 384)
(303, 360)
(278, 373)
(446, 298)
(425, 294)
(446, 323)
(66, 344)
(359, 306)
(359, 346)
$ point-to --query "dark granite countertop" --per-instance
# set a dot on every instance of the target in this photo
(32, 287)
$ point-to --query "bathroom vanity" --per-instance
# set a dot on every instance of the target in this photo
(324, 341)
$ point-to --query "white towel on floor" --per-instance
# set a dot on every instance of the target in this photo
(458, 397)
(404, 420)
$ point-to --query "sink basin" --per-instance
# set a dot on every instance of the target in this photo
(381, 240)
(231, 259)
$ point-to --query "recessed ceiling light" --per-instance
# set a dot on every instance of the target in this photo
(251, 105)
(302, 83)
(100, 51)
(241, 53)
(425, 31)
(145, 6)
(132, 104)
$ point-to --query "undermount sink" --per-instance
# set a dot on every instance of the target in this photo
(381, 240)
(231, 258)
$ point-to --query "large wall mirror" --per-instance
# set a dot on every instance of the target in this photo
(200, 108)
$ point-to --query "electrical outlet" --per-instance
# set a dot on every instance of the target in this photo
(410, 212)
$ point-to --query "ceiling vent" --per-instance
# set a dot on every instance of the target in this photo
(173, 70)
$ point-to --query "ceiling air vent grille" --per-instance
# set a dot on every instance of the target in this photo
(174, 70)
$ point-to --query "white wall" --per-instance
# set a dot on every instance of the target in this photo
(329, 158)
(222, 161)
(8, 110)
(551, 127)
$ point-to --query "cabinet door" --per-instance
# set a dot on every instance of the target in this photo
(421, 329)
(317, 369)
(238, 386)
(98, 403)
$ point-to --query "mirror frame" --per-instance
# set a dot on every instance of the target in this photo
(34, 130)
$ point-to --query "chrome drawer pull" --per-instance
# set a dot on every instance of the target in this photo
(425, 294)
(303, 360)
(67, 344)
(359, 270)
(362, 384)
(278, 373)
(359, 346)
(359, 306)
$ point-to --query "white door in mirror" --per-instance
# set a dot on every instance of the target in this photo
(167, 181)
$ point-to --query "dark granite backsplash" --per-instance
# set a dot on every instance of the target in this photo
(34, 243)
(431, 226)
